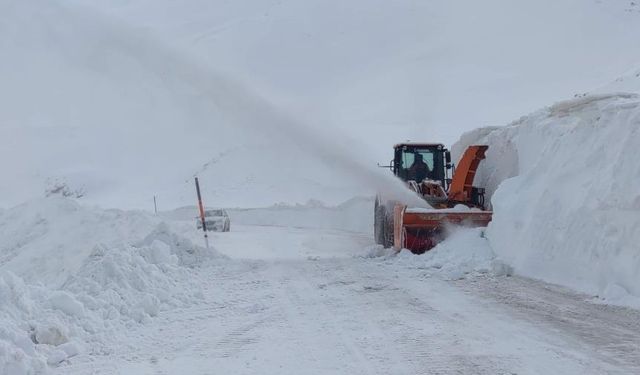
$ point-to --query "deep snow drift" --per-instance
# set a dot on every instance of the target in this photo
(564, 184)
(72, 278)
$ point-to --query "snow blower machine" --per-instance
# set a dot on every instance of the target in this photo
(451, 201)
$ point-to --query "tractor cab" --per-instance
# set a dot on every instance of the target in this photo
(420, 161)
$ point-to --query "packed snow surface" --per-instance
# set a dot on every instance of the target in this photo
(301, 300)
(564, 185)
(287, 297)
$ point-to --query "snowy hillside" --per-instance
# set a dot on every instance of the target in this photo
(629, 82)
(119, 117)
(566, 204)
(404, 68)
(120, 101)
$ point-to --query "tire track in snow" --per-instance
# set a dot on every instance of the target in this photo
(611, 332)
(310, 309)
(241, 312)
(410, 340)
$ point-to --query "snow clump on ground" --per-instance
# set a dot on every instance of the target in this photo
(464, 252)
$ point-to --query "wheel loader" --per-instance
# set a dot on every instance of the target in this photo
(451, 201)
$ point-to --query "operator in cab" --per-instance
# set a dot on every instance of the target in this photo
(419, 170)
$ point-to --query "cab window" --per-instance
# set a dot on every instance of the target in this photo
(408, 157)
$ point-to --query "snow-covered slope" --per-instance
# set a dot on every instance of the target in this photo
(405, 68)
(628, 82)
(565, 194)
(119, 116)
(121, 101)
(72, 277)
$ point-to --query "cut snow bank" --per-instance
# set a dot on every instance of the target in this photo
(563, 184)
(72, 276)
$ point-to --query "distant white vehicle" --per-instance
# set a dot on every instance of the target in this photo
(216, 220)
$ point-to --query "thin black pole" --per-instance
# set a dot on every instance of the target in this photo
(155, 205)
(201, 207)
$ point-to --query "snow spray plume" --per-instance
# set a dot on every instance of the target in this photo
(247, 108)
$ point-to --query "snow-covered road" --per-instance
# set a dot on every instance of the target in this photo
(302, 301)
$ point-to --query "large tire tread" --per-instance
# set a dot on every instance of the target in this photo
(383, 225)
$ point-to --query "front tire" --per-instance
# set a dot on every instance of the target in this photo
(383, 225)
(378, 224)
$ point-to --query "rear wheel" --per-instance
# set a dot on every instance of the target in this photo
(378, 224)
(383, 225)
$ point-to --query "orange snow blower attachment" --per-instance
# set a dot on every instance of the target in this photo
(419, 229)
(461, 189)
(453, 201)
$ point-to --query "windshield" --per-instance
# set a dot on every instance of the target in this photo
(214, 213)
(417, 164)
(424, 155)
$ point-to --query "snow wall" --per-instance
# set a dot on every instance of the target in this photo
(564, 184)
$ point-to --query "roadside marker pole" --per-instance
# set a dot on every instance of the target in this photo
(155, 205)
(201, 207)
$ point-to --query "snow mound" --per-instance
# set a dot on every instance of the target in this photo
(563, 183)
(466, 251)
(113, 268)
(48, 239)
